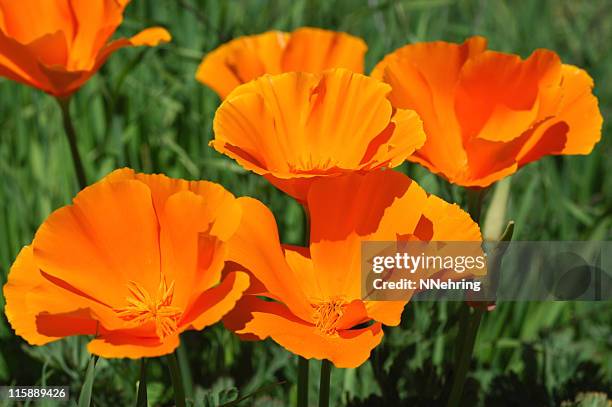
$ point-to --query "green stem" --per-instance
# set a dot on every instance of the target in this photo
(72, 141)
(467, 336)
(141, 401)
(469, 318)
(325, 383)
(302, 391)
(306, 226)
(177, 381)
(183, 362)
(474, 203)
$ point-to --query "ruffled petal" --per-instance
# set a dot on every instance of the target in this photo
(423, 77)
(242, 60)
(315, 50)
(346, 349)
(580, 111)
(40, 311)
(213, 304)
(488, 113)
(19, 64)
(256, 247)
(57, 45)
(110, 233)
(380, 206)
(190, 256)
(118, 344)
(305, 50)
(292, 128)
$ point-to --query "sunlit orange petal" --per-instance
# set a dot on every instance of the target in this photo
(57, 45)
(242, 60)
(27, 293)
(304, 50)
(135, 260)
(214, 303)
(488, 113)
(256, 247)
(315, 50)
(347, 349)
(295, 127)
(111, 231)
(379, 205)
(121, 345)
(313, 303)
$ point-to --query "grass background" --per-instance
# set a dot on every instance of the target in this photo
(146, 111)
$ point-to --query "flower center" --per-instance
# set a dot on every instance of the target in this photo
(144, 308)
(327, 314)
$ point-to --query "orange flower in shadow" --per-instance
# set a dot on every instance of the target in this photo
(317, 310)
(296, 127)
(486, 113)
(135, 261)
(274, 52)
(57, 45)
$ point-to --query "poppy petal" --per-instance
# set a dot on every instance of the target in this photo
(119, 345)
(213, 304)
(488, 113)
(242, 60)
(41, 312)
(111, 231)
(18, 64)
(346, 349)
(315, 50)
(58, 45)
(256, 247)
(191, 257)
(304, 50)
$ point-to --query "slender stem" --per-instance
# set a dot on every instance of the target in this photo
(72, 141)
(470, 318)
(464, 355)
(141, 401)
(306, 226)
(325, 383)
(183, 362)
(302, 391)
(177, 381)
(474, 203)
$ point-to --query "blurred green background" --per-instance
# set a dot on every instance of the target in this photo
(146, 111)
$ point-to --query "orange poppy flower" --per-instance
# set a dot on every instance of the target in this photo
(486, 113)
(296, 127)
(135, 261)
(304, 50)
(57, 45)
(317, 309)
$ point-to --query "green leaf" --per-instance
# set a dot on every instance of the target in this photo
(86, 390)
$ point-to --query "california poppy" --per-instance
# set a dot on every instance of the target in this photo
(314, 306)
(296, 127)
(487, 113)
(134, 261)
(303, 50)
(57, 45)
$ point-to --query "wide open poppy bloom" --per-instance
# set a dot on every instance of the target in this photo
(486, 113)
(273, 52)
(134, 261)
(296, 127)
(57, 45)
(317, 309)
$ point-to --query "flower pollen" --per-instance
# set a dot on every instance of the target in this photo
(145, 308)
(327, 314)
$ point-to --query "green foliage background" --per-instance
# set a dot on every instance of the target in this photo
(146, 111)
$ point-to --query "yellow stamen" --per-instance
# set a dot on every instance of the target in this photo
(327, 314)
(144, 308)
